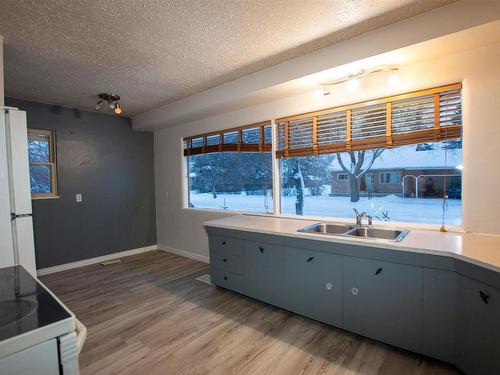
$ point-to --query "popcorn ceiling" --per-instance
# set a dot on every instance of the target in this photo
(156, 52)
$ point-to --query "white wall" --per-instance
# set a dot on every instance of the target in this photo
(182, 229)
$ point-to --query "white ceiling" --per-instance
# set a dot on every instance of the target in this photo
(156, 52)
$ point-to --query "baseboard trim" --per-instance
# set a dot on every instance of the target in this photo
(86, 262)
(184, 253)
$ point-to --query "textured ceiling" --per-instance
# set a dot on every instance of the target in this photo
(155, 52)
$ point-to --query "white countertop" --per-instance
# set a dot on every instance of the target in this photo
(480, 249)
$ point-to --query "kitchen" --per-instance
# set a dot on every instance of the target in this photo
(231, 228)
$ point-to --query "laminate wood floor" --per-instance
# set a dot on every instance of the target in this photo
(148, 315)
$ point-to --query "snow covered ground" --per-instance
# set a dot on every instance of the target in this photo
(409, 210)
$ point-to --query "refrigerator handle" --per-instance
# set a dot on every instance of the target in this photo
(14, 216)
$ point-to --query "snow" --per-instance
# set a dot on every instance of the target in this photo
(410, 210)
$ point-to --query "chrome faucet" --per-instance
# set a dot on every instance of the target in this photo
(360, 216)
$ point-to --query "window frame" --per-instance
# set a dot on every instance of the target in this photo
(344, 177)
(380, 180)
(276, 188)
(52, 163)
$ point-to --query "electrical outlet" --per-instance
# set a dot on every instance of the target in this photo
(78, 198)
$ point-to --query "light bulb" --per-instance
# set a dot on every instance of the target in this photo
(393, 79)
(353, 84)
(118, 109)
(319, 94)
(111, 105)
(98, 105)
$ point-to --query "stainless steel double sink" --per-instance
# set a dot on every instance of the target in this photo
(346, 230)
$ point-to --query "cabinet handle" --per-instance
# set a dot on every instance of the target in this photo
(378, 271)
(484, 296)
(225, 277)
(224, 260)
(223, 242)
(261, 249)
(311, 258)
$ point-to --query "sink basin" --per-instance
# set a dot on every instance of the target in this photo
(378, 233)
(326, 228)
(383, 234)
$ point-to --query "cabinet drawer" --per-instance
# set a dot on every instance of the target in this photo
(222, 260)
(226, 245)
(228, 280)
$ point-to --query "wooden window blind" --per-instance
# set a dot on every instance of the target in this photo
(422, 116)
(248, 138)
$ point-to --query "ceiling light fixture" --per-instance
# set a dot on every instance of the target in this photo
(98, 105)
(353, 82)
(112, 100)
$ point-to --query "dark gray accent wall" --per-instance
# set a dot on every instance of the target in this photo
(100, 157)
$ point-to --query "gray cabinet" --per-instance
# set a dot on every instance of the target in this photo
(383, 301)
(434, 311)
(438, 324)
(314, 285)
(266, 272)
(478, 328)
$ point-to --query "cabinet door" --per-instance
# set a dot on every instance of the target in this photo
(265, 269)
(438, 331)
(478, 328)
(314, 281)
(383, 301)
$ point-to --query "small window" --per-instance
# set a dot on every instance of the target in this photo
(390, 178)
(42, 163)
(342, 177)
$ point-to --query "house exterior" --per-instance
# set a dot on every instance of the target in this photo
(406, 172)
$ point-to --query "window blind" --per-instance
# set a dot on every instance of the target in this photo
(248, 138)
(422, 116)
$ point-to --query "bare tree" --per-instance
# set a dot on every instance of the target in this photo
(360, 162)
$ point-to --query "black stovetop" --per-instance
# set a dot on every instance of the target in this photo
(25, 305)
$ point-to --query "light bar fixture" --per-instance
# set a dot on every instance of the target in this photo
(353, 79)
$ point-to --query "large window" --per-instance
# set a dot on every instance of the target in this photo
(411, 192)
(231, 181)
(231, 170)
(42, 163)
(397, 158)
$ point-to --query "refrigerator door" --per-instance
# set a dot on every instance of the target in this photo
(24, 244)
(6, 246)
(20, 190)
(17, 146)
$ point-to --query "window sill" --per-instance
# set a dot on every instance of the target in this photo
(415, 226)
(48, 197)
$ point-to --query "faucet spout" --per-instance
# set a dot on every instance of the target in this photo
(360, 216)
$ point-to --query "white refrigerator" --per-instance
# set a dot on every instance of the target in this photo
(16, 223)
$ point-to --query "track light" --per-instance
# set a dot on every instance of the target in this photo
(353, 84)
(112, 100)
(352, 80)
(98, 105)
(393, 79)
